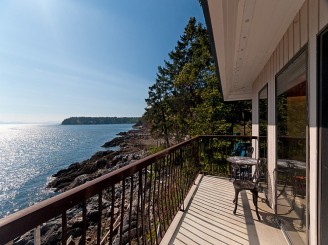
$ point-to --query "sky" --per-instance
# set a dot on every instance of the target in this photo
(63, 58)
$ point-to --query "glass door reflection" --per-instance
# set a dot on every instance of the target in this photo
(291, 111)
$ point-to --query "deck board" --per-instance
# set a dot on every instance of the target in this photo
(208, 218)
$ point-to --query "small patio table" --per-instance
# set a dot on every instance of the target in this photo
(292, 172)
(291, 164)
(238, 162)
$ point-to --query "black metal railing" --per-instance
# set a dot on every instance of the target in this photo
(215, 149)
(134, 204)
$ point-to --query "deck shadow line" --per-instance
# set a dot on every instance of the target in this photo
(251, 229)
(226, 230)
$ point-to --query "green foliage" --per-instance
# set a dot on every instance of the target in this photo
(155, 149)
(214, 154)
(185, 99)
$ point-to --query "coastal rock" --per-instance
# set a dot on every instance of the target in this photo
(26, 239)
(102, 172)
(125, 237)
(75, 232)
(65, 178)
(55, 224)
(114, 142)
(101, 163)
(107, 154)
(122, 133)
(61, 182)
(135, 147)
(88, 168)
(52, 237)
(93, 216)
(71, 168)
(73, 241)
(76, 222)
(79, 180)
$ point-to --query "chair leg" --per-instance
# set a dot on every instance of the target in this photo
(235, 201)
(255, 197)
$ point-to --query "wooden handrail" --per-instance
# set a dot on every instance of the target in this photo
(22, 221)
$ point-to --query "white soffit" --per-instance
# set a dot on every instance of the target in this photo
(245, 33)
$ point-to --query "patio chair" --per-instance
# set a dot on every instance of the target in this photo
(246, 171)
(251, 185)
(241, 149)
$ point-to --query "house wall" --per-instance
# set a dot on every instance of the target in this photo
(311, 18)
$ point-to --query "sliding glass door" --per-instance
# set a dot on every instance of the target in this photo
(292, 121)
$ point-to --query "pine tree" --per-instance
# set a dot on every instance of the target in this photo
(185, 99)
(157, 105)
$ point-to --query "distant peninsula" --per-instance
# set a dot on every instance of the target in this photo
(100, 120)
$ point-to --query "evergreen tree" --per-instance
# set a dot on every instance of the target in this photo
(157, 105)
(185, 99)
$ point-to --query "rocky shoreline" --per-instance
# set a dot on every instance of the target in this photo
(133, 145)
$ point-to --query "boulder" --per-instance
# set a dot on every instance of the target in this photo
(52, 237)
(114, 142)
(122, 133)
(71, 168)
(79, 180)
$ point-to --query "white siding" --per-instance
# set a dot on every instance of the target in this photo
(290, 41)
(297, 33)
(312, 17)
(303, 24)
(280, 55)
(285, 50)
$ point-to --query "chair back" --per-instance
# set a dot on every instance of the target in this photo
(259, 170)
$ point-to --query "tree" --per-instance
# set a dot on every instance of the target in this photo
(157, 102)
(185, 99)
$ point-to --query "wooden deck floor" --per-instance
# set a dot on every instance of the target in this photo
(208, 218)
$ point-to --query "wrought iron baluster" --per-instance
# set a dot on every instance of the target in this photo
(85, 222)
(122, 211)
(64, 227)
(131, 208)
(111, 231)
(99, 217)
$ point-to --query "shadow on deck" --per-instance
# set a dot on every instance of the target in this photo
(208, 218)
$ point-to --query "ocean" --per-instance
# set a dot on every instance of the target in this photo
(30, 154)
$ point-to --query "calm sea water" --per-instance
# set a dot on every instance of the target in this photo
(30, 154)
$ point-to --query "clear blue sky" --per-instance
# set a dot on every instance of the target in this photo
(62, 58)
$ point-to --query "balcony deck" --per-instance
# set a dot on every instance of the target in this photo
(208, 217)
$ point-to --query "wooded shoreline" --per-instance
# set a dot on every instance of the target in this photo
(100, 120)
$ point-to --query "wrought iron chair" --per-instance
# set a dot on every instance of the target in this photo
(242, 171)
(250, 184)
(246, 171)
